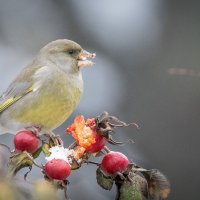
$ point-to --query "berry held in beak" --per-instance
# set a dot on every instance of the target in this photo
(83, 58)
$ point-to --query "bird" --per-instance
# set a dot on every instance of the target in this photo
(46, 91)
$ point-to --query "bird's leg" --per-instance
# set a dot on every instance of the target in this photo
(34, 129)
(57, 140)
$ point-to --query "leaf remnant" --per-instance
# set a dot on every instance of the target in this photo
(17, 162)
(106, 182)
(106, 124)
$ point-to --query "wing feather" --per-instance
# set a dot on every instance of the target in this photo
(19, 87)
(11, 97)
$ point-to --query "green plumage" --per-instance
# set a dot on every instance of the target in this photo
(53, 106)
(46, 92)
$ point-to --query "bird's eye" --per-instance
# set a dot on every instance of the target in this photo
(71, 51)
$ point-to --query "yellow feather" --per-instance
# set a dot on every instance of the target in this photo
(50, 107)
(8, 102)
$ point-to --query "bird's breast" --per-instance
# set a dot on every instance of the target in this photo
(51, 105)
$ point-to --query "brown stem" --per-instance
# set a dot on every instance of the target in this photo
(72, 146)
(91, 162)
(106, 149)
(32, 159)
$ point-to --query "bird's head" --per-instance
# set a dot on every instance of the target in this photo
(67, 55)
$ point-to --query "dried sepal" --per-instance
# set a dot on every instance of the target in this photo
(19, 161)
(106, 124)
(112, 141)
(106, 182)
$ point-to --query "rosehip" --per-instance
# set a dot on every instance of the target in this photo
(57, 169)
(99, 144)
(114, 162)
(26, 141)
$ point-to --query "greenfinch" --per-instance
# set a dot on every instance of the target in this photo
(45, 92)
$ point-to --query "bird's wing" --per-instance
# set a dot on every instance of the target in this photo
(14, 93)
(19, 87)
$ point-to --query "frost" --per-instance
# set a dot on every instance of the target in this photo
(58, 152)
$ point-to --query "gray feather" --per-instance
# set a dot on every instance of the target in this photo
(15, 89)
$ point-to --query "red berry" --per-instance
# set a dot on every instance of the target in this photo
(98, 145)
(114, 162)
(57, 169)
(26, 141)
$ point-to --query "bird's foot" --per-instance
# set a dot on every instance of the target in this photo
(57, 140)
(34, 129)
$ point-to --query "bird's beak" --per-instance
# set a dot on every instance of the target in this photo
(83, 58)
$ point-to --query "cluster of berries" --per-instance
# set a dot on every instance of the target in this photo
(91, 137)
(58, 163)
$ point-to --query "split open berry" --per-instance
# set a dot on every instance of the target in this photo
(86, 136)
(26, 141)
(57, 169)
(99, 144)
(114, 162)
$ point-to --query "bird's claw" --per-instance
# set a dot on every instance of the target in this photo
(35, 130)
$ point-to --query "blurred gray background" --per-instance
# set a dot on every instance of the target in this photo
(147, 71)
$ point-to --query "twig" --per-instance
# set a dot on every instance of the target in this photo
(106, 149)
(91, 162)
(32, 159)
(73, 145)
